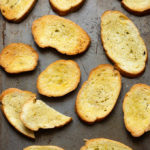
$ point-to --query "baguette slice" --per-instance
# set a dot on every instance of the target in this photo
(66, 6)
(123, 44)
(59, 78)
(18, 57)
(48, 147)
(36, 114)
(60, 33)
(12, 100)
(104, 144)
(98, 95)
(16, 10)
(138, 7)
(136, 108)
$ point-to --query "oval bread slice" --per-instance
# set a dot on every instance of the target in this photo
(18, 57)
(98, 95)
(59, 78)
(12, 101)
(64, 7)
(123, 44)
(16, 10)
(36, 114)
(48, 147)
(60, 33)
(136, 108)
(137, 7)
(104, 144)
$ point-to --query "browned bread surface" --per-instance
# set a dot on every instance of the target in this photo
(44, 147)
(138, 7)
(98, 95)
(104, 144)
(16, 10)
(136, 108)
(18, 57)
(64, 7)
(123, 44)
(59, 78)
(36, 114)
(60, 33)
(12, 101)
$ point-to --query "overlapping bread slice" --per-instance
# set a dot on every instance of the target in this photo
(137, 7)
(18, 57)
(59, 78)
(104, 144)
(60, 33)
(98, 95)
(16, 10)
(48, 147)
(123, 44)
(12, 101)
(64, 7)
(136, 108)
(36, 114)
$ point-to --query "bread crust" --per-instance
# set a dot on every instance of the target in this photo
(101, 139)
(133, 133)
(76, 50)
(11, 90)
(123, 72)
(37, 128)
(10, 18)
(41, 91)
(138, 12)
(77, 100)
(11, 46)
(43, 146)
(64, 12)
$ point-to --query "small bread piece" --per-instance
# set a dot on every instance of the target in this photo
(38, 147)
(16, 10)
(36, 114)
(98, 95)
(136, 108)
(138, 7)
(12, 101)
(60, 33)
(59, 78)
(64, 7)
(123, 44)
(104, 144)
(18, 57)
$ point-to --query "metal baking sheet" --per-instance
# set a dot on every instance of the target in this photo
(71, 136)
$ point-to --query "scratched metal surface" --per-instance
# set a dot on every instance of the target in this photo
(71, 136)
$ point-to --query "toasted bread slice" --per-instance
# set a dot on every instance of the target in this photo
(38, 147)
(98, 95)
(18, 57)
(59, 78)
(16, 10)
(60, 33)
(12, 101)
(66, 6)
(123, 44)
(136, 108)
(138, 7)
(104, 144)
(36, 114)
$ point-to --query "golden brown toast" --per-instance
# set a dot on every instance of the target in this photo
(60, 33)
(59, 78)
(98, 95)
(123, 44)
(12, 101)
(18, 57)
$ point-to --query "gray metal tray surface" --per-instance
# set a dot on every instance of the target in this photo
(71, 136)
